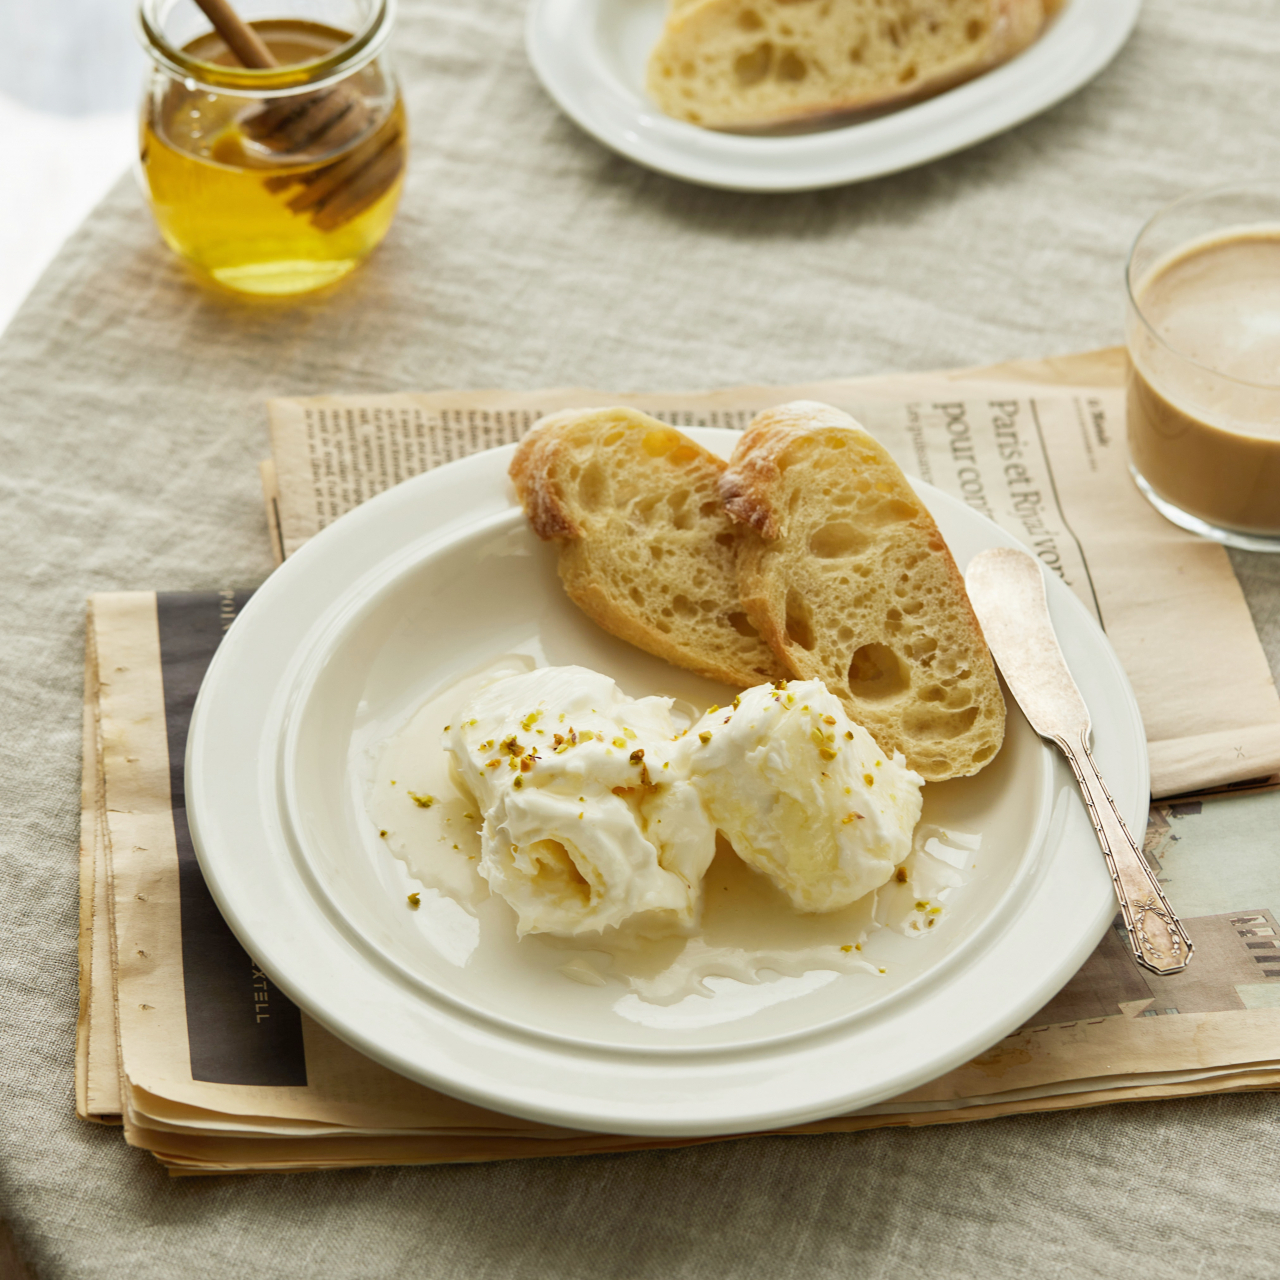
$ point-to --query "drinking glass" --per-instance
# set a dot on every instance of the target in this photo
(1203, 333)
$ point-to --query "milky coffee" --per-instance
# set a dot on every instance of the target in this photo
(1204, 389)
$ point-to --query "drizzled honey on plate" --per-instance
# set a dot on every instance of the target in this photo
(285, 187)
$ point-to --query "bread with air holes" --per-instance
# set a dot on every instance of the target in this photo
(728, 64)
(846, 576)
(646, 549)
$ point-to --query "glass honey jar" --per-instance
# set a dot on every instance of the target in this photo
(281, 179)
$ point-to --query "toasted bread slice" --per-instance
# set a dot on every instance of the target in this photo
(646, 549)
(847, 577)
(730, 64)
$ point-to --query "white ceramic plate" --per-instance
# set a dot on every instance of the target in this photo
(591, 55)
(418, 586)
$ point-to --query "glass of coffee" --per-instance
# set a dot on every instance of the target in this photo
(1203, 332)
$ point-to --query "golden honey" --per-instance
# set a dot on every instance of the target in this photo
(257, 201)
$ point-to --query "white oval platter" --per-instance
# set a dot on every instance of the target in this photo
(591, 54)
(419, 586)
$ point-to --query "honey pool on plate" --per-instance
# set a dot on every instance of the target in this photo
(726, 969)
(261, 220)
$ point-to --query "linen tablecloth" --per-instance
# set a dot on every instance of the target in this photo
(132, 418)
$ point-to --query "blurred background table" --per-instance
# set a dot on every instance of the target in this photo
(70, 72)
(132, 421)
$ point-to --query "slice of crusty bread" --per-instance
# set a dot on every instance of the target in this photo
(731, 64)
(847, 577)
(646, 549)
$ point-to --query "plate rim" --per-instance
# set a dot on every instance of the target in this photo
(345, 537)
(1084, 38)
(344, 617)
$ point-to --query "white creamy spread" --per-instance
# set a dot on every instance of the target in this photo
(748, 931)
(802, 793)
(584, 828)
(599, 812)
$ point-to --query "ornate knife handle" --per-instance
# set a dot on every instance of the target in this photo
(1157, 937)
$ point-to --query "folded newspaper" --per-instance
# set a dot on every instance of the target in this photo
(209, 1066)
(1050, 468)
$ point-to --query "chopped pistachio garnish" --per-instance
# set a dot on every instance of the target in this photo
(530, 720)
(383, 834)
(705, 737)
(423, 802)
(415, 899)
(827, 754)
(848, 946)
(869, 779)
(828, 719)
(737, 702)
(848, 733)
(519, 782)
(619, 742)
(637, 757)
(715, 706)
(900, 875)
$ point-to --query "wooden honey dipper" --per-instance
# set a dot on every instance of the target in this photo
(327, 121)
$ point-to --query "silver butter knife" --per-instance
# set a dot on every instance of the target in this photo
(1007, 590)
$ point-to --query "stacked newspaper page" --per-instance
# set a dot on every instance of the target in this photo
(209, 1066)
(1050, 468)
